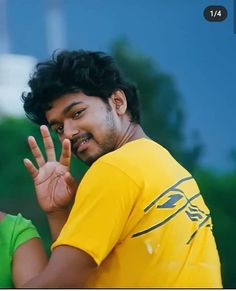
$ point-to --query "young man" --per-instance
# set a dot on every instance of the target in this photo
(138, 219)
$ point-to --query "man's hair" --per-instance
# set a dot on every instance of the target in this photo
(92, 73)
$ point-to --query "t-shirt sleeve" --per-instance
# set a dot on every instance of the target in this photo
(23, 231)
(103, 203)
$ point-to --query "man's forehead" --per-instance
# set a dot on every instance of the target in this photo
(69, 98)
(58, 109)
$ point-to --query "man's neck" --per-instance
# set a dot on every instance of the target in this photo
(133, 131)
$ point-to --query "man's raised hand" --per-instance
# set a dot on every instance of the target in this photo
(54, 185)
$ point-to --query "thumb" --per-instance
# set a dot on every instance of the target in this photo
(71, 183)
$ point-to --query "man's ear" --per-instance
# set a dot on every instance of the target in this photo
(119, 102)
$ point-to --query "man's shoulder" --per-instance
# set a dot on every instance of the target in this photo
(134, 149)
(132, 155)
(129, 150)
(129, 161)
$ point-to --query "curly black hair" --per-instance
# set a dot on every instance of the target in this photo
(92, 73)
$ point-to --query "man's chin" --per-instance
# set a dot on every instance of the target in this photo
(88, 160)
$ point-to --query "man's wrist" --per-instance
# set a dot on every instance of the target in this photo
(59, 213)
(56, 220)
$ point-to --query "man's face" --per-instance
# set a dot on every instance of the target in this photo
(88, 122)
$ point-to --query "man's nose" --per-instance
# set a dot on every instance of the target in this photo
(70, 130)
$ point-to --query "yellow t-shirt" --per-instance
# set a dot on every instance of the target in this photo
(141, 217)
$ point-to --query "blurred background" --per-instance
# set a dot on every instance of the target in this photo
(183, 66)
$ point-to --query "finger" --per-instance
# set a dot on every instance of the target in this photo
(36, 151)
(31, 168)
(65, 153)
(71, 183)
(48, 143)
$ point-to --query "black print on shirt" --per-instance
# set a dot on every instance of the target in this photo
(175, 199)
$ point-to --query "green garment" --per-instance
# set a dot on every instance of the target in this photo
(14, 231)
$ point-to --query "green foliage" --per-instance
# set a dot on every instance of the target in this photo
(219, 192)
(161, 105)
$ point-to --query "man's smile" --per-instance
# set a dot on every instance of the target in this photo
(80, 143)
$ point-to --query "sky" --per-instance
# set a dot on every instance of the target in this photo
(198, 54)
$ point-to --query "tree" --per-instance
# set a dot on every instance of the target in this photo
(219, 192)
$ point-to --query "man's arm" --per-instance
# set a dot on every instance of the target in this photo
(56, 221)
(54, 185)
(58, 218)
(68, 267)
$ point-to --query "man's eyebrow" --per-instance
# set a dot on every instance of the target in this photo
(53, 122)
(64, 111)
(68, 108)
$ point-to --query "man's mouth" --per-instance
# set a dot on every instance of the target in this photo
(79, 143)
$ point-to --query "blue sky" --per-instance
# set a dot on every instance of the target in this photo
(198, 54)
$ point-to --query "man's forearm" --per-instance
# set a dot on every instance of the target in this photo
(68, 267)
(56, 221)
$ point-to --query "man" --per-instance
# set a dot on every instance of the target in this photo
(138, 219)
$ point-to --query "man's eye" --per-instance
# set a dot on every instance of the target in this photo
(59, 129)
(78, 113)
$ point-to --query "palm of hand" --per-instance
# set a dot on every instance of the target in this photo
(52, 191)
